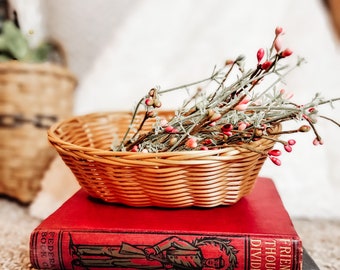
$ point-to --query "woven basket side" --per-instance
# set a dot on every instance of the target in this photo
(173, 179)
(32, 89)
(201, 185)
(29, 91)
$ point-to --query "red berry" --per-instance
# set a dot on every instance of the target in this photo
(278, 30)
(318, 141)
(242, 126)
(277, 45)
(149, 101)
(191, 143)
(288, 148)
(228, 133)
(266, 65)
(207, 141)
(260, 54)
(291, 142)
(168, 129)
(134, 148)
(227, 127)
(275, 152)
(286, 53)
(275, 160)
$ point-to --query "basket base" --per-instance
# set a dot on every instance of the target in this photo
(21, 177)
(232, 193)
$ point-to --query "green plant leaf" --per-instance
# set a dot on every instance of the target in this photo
(14, 41)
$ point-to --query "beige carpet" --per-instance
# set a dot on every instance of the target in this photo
(15, 227)
(321, 238)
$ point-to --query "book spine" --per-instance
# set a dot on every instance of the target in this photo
(51, 249)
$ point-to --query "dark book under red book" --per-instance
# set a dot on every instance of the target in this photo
(84, 233)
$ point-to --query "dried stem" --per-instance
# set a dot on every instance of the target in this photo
(235, 113)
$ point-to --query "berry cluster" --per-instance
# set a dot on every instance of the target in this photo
(238, 111)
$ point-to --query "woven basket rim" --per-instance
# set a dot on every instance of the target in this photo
(197, 153)
(44, 67)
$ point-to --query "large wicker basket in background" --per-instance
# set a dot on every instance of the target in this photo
(170, 179)
(32, 97)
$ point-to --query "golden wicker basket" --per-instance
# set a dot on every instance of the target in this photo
(170, 179)
(32, 97)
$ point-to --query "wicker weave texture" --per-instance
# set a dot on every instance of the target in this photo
(170, 179)
(28, 91)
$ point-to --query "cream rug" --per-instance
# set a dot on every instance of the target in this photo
(15, 227)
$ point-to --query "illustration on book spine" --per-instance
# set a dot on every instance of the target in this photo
(171, 253)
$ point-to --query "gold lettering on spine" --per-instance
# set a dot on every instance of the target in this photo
(255, 254)
(286, 254)
(270, 254)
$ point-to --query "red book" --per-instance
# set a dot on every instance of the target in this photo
(84, 233)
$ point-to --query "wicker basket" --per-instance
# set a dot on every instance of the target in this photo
(32, 97)
(169, 179)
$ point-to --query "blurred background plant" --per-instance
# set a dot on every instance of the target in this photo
(15, 46)
(29, 45)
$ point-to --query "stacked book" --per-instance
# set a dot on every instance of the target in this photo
(254, 233)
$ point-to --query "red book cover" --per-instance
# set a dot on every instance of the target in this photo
(84, 233)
